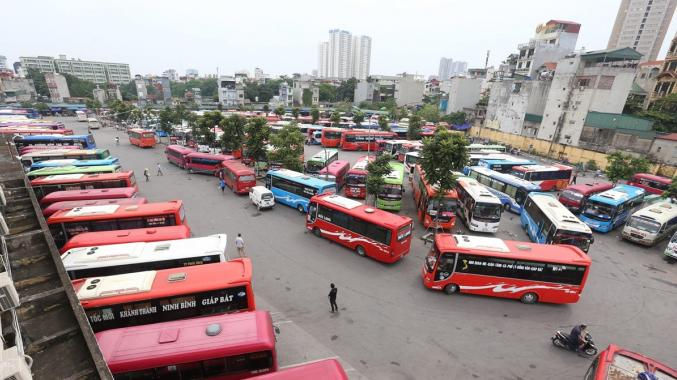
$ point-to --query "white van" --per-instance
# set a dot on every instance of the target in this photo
(671, 249)
(261, 197)
(652, 224)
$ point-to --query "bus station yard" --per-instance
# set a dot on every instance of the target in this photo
(389, 325)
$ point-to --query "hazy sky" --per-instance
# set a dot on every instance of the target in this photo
(282, 36)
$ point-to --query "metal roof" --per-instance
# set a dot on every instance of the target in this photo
(610, 55)
(617, 121)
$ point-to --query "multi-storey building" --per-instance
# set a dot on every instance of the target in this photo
(97, 72)
(449, 68)
(641, 25)
(163, 88)
(344, 56)
(141, 90)
(459, 93)
(666, 81)
(302, 85)
(191, 73)
(552, 42)
(516, 105)
(285, 95)
(57, 86)
(361, 55)
(405, 89)
(323, 60)
(171, 74)
(230, 93)
(3, 62)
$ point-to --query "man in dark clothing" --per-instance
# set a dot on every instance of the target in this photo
(332, 298)
(577, 337)
(573, 179)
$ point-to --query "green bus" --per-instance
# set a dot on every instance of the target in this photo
(61, 170)
(320, 160)
(390, 196)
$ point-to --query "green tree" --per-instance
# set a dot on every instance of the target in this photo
(327, 92)
(288, 147)
(266, 109)
(376, 170)
(671, 192)
(203, 128)
(455, 118)
(279, 111)
(623, 166)
(591, 165)
(233, 132)
(358, 118)
(295, 112)
(346, 90)
(383, 123)
(315, 115)
(93, 104)
(41, 107)
(38, 81)
(258, 134)
(79, 87)
(429, 113)
(335, 119)
(414, 130)
(166, 120)
(128, 91)
(307, 97)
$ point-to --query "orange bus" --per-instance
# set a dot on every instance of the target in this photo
(238, 177)
(143, 138)
(331, 137)
(379, 234)
(67, 223)
(45, 185)
(430, 211)
(488, 266)
(616, 363)
(69, 205)
(141, 298)
(93, 239)
(363, 139)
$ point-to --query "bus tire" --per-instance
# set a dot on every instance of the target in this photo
(360, 251)
(451, 289)
(190, 170)
(529, 298)
(507, 207)
(317, 232)
(300, 208)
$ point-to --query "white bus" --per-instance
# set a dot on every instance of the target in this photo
(477, 206)
(81, 115)
(138, 257)
(410, 160)
(651, 224)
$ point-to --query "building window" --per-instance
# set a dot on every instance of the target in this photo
(583, 82)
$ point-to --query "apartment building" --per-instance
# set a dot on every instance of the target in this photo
(344, 56)
(97, 72)
(231, 94)
(551, 42)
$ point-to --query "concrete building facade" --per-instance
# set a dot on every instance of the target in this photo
(461, 92)
(302, 85)
(96, 72)
(361, 56)
(405, 89)
(141, 90)
(230, 93)
(17, 90)
(57, 86)
(3, 62)
(344, 56)
(664, 149)
(666, 80)
(516, 106)
(171, 74)
(99, 95)
(449, 68)
(551, 42)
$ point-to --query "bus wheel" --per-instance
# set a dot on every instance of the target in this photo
(360, 251)
(300, 208)
(190, 170)
(451, 289)
(317, 232)
(529, 298)
(507, 207)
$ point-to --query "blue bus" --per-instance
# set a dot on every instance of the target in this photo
(512, 191)
(609, 209)
(504, 165)
(81, 141)
(295, 189)
(73, 162)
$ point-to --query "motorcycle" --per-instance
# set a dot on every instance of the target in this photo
(561, 340)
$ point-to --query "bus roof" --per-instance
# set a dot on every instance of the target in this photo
(507, 178)
(432, 189)
(73, 178)
(88, 239)
(184, 341)
(396, 175)
(637, 362)
(237, 167)
(660, 212)
(220, 157)
(617, 195)
(327, 369)
(652, 177)
(113, 211)
(335, 167)
(141, 252)
(478, 191)
(56, 170)
(75, 162)
(542, 168)
(180, 148)
(131, 287)
(485, 146)
(58, 152)
(510, 161)
(509, 249)
(323, 155)
(370, 132)
(300, 178)
(590, 188)
(558, 213)
(141, 130)
(362, 211)
(88, 194)
(362, 163)
(67, 205)
(50, 137)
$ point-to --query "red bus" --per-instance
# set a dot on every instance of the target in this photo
(34, 131)
(90, 194)
(331, 137)
(553, 177)
(574, 197)
(45, 185)
(379, 234)
(430, 211)
(176, 154)
(616, 363)
(229, 346)
(653, 184)
(205, 162)
(327, 369)
(409, 146)
(93, 239)
(238, 177)
(510, 269)
(361, 139)
(67, 223)
(335, 172)
(36, 148)
(356, 178)
(142, 138)
(142, 298)
(69, 205)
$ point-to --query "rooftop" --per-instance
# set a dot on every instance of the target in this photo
(611, 55)
(669, 136)
(621, 123)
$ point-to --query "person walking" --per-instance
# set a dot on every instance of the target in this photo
(573, 179)
(332, 298)
(239, 244)
(222, 185)
(159, 169)
(146, 173)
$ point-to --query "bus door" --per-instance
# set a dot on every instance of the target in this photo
(269, 182)
(312, 212)
(446, 265)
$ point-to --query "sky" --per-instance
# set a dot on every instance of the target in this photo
(281, 37)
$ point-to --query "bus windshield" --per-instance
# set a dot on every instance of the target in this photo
(314, 166)
(391, 191)
(332, 134)
(579, 239)
(355, 179)
(572, 195)
(487, 211)
(446, 206)
(599, 211)
(644, 224)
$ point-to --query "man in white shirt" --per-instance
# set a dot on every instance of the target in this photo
(239, 244)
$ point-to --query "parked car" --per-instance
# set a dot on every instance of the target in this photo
(261, 197)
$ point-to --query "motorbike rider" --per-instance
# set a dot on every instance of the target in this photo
(117, 140)
(577, 337)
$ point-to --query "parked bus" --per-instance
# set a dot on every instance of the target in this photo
(327, 369)
(68, 223)
(356, 179)
(574, 197)
(479, 208)
(64, 154)
(652, 224)
(77, 163)
(143, 138)
(546, 221)
(410, 160)
(320, 160)
(408, 147)
(504, 166)
(358, 139)
(331, 137)
(511, 190)
(652, 184)
(45, 185)
(390, 196)
(205, 162)
(381, 235)
(81, 115)
(176, 154)
(488, 266)
(430, 210)
(42, 148)
(335, 172)
(69, 205)
(238, 177)
(609, 209)
(479, 147)
(314, 135)
(390, 147)
(34, 131)
(228, 346)
(109, 260)
(142, 298)
(548, 177)
(90, 194)
(55, 141)
(69, 170)
(476, 156)
(616, 363)
(90, 239)
(295, 189)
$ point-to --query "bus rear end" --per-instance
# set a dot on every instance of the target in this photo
(91, 239)
(176, 154)
(238, 177)
(356, 178)
(331, 137)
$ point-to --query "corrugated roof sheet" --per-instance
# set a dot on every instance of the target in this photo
(617, 121)
(533, 117)
(669, 136)
(637, 90)
(610, 55)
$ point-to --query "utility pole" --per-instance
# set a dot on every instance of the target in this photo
(486, 61)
